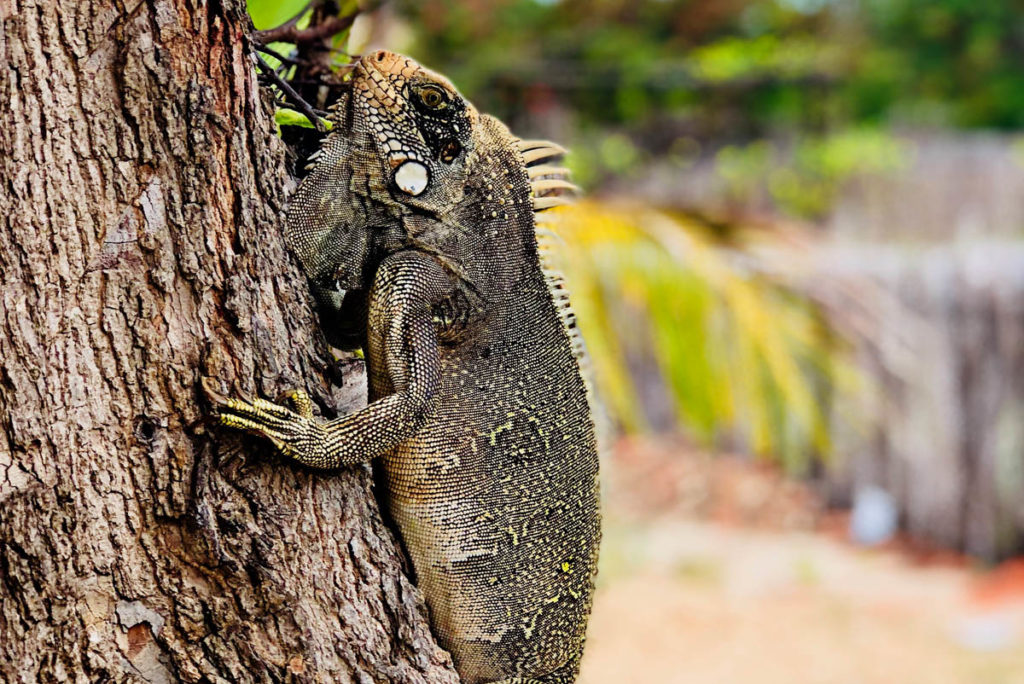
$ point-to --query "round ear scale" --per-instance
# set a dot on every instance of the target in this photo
(412, 178)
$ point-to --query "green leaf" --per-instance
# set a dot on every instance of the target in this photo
(267, 14)
(290, 117)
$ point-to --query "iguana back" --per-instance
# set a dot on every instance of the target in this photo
(496, 496)
(424, 212)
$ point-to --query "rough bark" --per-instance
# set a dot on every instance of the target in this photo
(141, 197)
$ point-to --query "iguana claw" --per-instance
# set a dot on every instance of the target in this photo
(293, 431)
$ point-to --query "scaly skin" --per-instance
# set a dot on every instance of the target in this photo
(423, 211)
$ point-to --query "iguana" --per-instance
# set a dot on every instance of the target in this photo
(417, 227)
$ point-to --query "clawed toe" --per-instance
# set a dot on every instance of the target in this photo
(299, 402)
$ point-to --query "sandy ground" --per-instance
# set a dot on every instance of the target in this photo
(684, 598)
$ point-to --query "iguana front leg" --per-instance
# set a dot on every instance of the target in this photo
(401, 332)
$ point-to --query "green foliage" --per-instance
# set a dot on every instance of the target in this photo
(270, 13)
(959, 62)
(744, 358)
(805, 180)
(768, 56)
(290, 117)
(759, 65)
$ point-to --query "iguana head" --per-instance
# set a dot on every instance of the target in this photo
(394, 165)
(410, 164)
(420, 126)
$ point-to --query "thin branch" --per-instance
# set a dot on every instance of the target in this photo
(291, 61)
(303, 106)
(288, 32)
(312, 4)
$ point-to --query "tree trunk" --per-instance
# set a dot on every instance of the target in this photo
(141, 197)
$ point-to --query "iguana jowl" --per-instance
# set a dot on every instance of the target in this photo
(423, 212)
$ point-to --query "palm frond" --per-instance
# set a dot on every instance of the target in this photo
(745, 360)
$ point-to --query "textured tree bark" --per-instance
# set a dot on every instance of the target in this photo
(141, 197)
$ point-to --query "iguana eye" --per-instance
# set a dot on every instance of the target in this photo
(432, 97)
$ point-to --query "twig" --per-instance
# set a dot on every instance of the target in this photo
(312, 4)
(281, 58)
(288, 32)
(303, 106)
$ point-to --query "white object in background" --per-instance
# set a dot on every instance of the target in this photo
(874, 518)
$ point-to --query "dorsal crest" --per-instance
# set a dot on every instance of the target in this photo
(547, 181)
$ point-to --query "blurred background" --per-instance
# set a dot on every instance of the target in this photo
(799, 270)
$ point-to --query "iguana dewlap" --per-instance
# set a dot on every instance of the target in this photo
(424, 213)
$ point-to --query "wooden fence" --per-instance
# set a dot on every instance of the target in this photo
(938, 332)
